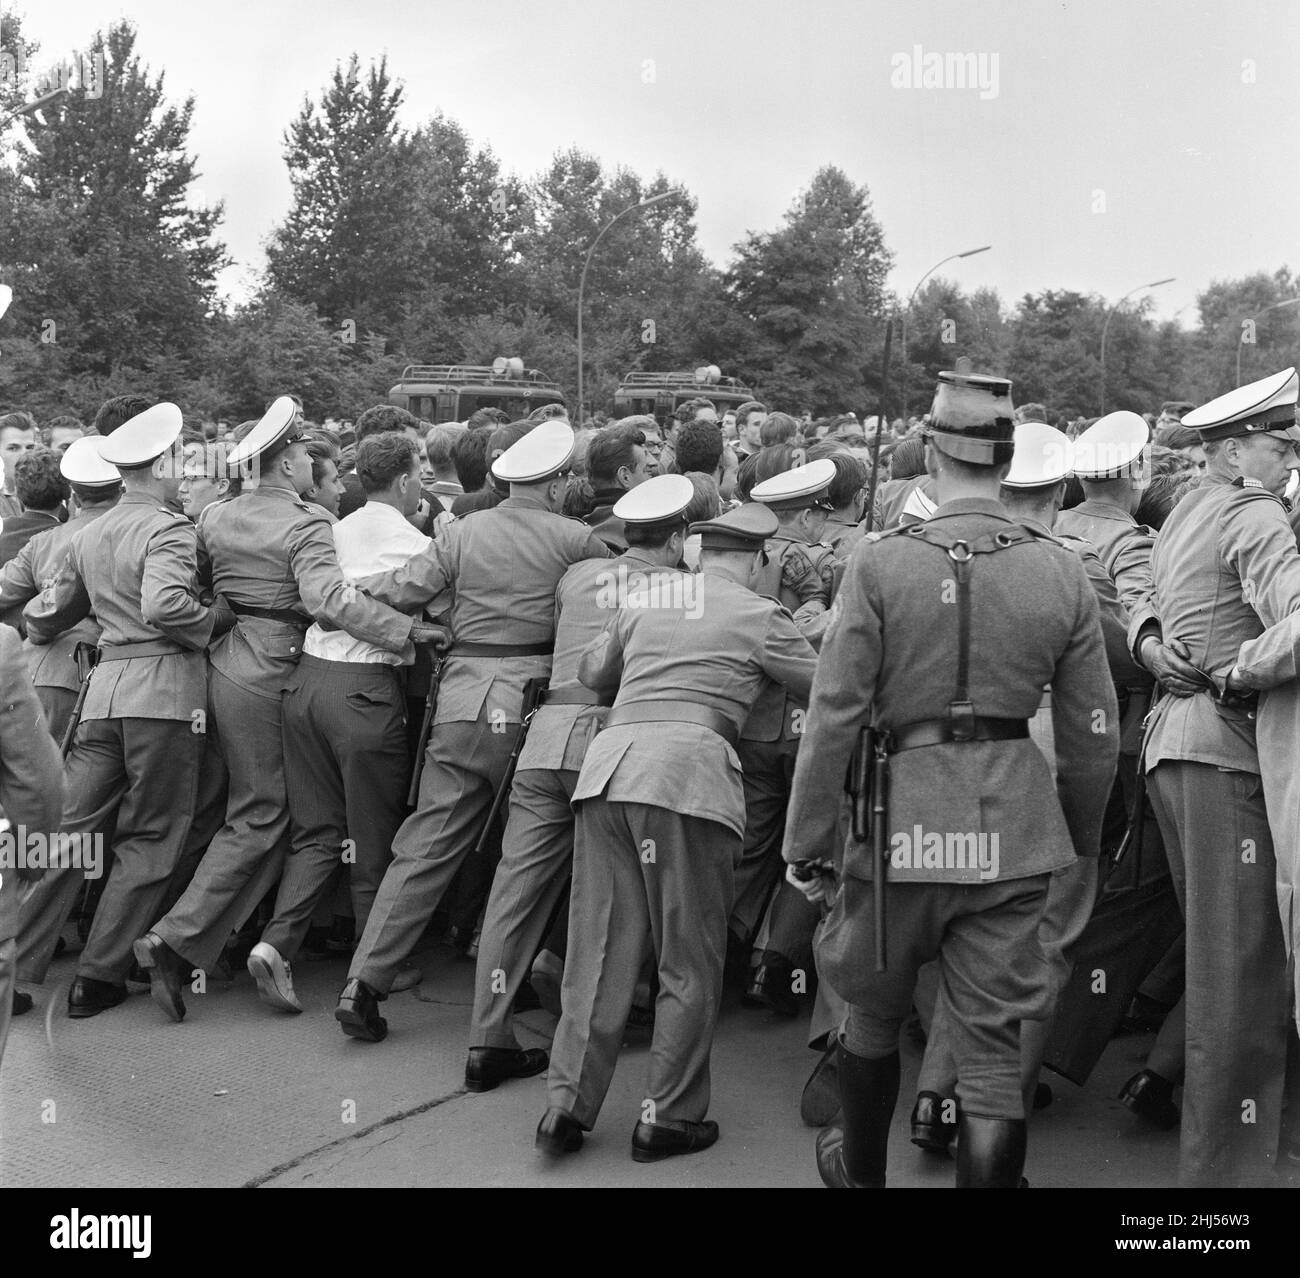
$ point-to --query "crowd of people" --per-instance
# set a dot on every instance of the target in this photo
(640, 710)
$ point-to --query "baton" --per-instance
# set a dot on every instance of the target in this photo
(533, 691)
(86, 655)
(426, 727)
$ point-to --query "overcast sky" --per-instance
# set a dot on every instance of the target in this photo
(1113, 142)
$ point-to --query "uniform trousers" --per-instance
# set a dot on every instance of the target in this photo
(58, 704)
(643, 872)
(136, 778)
(1216, 832)
(464, 765)
(536, 856)
(1070, 896)
(768, 773)
(346, 771)
(992, 974)
(245, 858)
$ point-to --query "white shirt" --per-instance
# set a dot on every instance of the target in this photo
(373, 538)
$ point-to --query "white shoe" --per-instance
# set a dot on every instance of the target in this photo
(274, 978)
(407, 978)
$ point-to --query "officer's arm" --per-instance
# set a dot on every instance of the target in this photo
(31, 773)
(786, 654)
(314, 563)
(839, 708)
(18, 582)
(1133, 578)
(1085, 720)
(601, 666)
(59, 607)
(417, 582)
(591, 547)
(1256, 540)
(168, 597)
(1270, 659)
(1114, 621)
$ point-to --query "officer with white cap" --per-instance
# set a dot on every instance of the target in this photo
(537, 851)
(96, 487)
(659, 827)
(497, 570)
(132, 771)
(271, 555)
(1225, 568)
(799, 573)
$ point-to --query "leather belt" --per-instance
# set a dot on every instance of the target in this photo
(285, 615)
(674, 712)
(503, 649)
(912, 736)
(144, 648)
(572, 697)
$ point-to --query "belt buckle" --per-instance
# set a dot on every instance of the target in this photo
(961, 716)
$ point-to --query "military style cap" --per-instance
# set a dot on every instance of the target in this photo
(543, 453)
(745, 528)
(799, 488)
(82, 464)
(142, 439)
(1043, 456)
(1111, 447)
(972, 418)
(276, 428)
(1265, 405)
(655, 500)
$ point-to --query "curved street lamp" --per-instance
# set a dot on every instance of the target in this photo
(952, 257)
(30, 108)
(1141, 288)
(1241, 341)
(582, 282)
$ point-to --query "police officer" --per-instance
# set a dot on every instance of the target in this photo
(1225, 567)
(799, 574)
(537, 851)
(272, 556)
(132, 772)
(500, 566)
(943, 637)
(660, 825)
(97, 487)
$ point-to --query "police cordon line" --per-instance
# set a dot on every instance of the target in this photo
(951, 725)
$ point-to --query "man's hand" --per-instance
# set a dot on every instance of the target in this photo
(1169, 663)
(817, 888)
(439, 636)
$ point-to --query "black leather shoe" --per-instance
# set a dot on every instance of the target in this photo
(820, 1102)
(1151, 1096)
(167, 971)
(830, 1162)
(22, 1003)
(653, 1141)
(929, 1130)
(489, 1067)
(89, 997)
(558, 1133)
(358, 1012)
(771, 986)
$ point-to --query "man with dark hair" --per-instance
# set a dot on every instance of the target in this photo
(848, 495)
(207, 478)
(18, 435)
(749, 423)
(492, 492)
(375, 421)
(500, 568)
(113, 412)
(469, 456)
(440, 444)
(941, 642)
(272, 555)
(489, 418)
(699, 447)
(41, 491)
(617, 462)
(778, 428)
(345, 754)
(97, 487)
(327, 488)
(549, 412)
(59, 432)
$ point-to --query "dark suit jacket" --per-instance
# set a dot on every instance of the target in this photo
(20, 529)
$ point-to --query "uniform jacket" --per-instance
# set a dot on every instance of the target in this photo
(1123, 545)
(889, 658)
(586, 596)
(706, 640)
(270, 549)
(1225, 568)
(31, 772)
(36, 566)
(843, 535)
(135, 569)
(20, 529)
(497, 571)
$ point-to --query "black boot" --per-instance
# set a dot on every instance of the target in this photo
(990, 1152)
(853, 1157)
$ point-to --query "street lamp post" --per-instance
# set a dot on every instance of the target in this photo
(1241, 341)
(1141, 288)
(582, 282)
(952, 257)
(30, 108)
